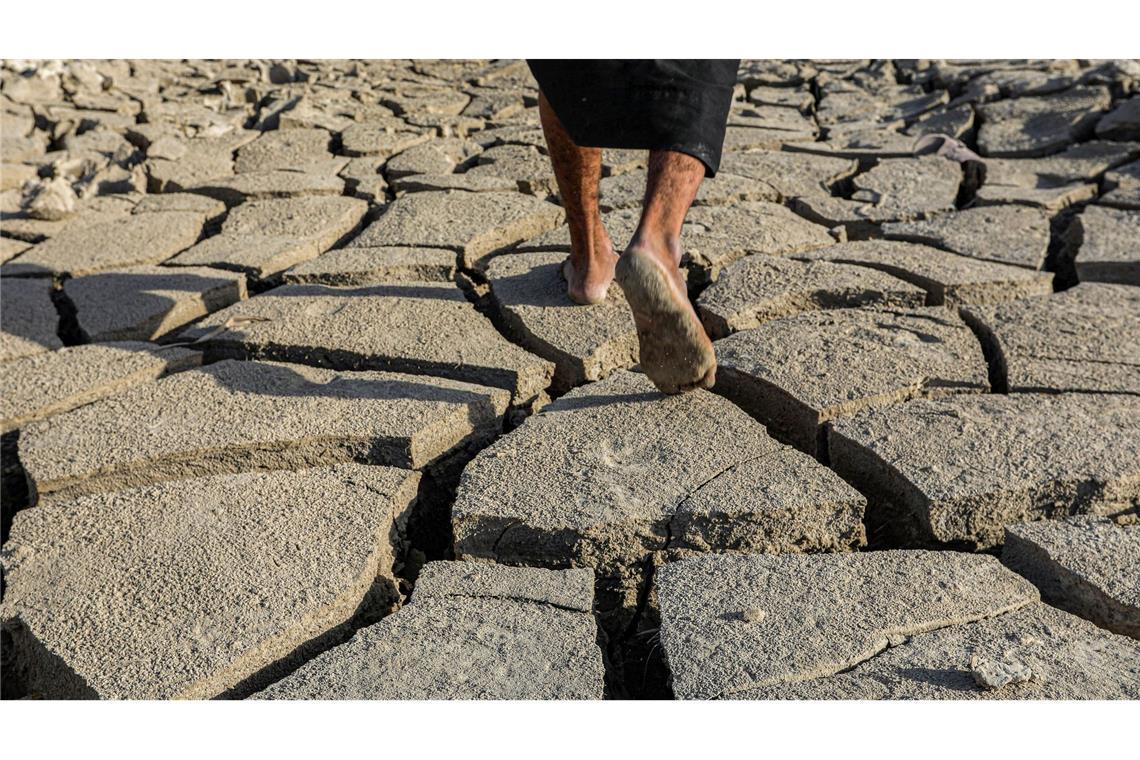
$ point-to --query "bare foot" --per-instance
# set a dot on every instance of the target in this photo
(676, 354)
(591, 284)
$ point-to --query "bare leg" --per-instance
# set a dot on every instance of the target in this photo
(578, 170)
(676, 353)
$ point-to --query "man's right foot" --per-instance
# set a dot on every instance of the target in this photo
(676, 353)
(592, 285)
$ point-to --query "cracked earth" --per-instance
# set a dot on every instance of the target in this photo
(295, 407)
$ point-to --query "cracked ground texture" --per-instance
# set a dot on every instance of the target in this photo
(294, 405)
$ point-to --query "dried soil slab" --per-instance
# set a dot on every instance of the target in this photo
(112, 244)
(209, 208)
(791, 175)
(368, 139)
(428, 158)
(739, 137)
(188, 589)
(757, 289)
(909, 188)
(273, 183)
(368, 266)
(50, 383)
(773, 119)
(526, 166)
(143, 303)
(473, 224)
(426, 99)
(1035, 652)
(959, 469)
(1014, 235)
(1107, 245)
(191, 162)
(585, 343)
(416, 327)
(471, 631)
(324, 220)
(11, 248)
(1086, 338)
(264, 238)
(1122, 187)
(946, 277)
(1042, 125)
(788, 97)
(862, 142)
(784, 372)
(1122, 122)
(466, 182)
(715, 236)
(732, 624)
(956, 122)
(613, 473)
(628, 190)
(1051, 198)
(28, 319)
(1089, 566)
(1078, 163)
(237, 416)
(261, 257)
(285, 149)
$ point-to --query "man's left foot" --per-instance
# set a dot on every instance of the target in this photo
(676, 353)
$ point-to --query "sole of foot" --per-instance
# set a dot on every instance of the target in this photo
(676, 353)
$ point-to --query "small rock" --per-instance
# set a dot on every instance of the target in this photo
(991, 674)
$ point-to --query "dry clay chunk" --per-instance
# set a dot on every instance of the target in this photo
(1089, 566)
(606, 474)
(1016, 235)
(28, 319)
(733, 623)
(125, 241)
(791, 175)
(274, 183)
(325, 220)
(946, 277)
(1108, 245)
(1042, 125)
(285, 149)
(784, 372)
(1035, 652)
(368, 266)
(264, 237)
(960, 469)
(235, 416)
(715, 236)
(471, 631)
(906, 188)
(585, 343)
(474, 224)
(186, 589)
(417, 327)
(50, 383)
(759, 288)
(1086, 338)
(144, 303)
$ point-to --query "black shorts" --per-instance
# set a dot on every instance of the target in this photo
(655, 104)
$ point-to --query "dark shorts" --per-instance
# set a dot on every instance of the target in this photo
(679, 105)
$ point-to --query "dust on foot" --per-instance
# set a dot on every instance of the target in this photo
(676, 354)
